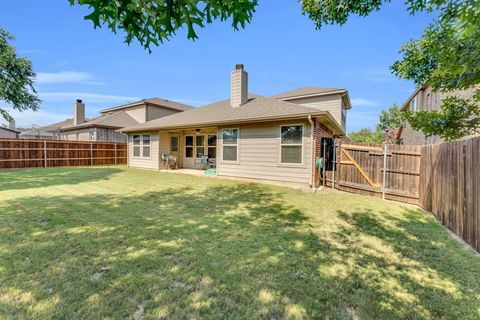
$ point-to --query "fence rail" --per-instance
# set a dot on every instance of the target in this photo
(21, 153)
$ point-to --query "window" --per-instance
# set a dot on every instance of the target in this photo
(212, 146)
(292, 144)
(141, 145)
(146, 145)
(230, 144)
(200, 146)
(188, 146)
(174, 144)
(414, 104)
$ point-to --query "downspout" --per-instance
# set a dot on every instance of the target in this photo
(312, 167)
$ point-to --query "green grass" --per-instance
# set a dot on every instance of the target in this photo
(116, 243)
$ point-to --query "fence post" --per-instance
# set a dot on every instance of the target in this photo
(339, 164)
(384, 176)
(45, 153)
(91, 154)
(334, 162)
(115, 153)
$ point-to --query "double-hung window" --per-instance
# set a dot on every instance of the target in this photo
(291, 144)
(141, 145)
(230, 144)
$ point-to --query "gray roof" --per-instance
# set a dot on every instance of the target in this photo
(152, 101)
(47, 131)
(8, 129)
(257, 108)
(307, 91)
(119, 119)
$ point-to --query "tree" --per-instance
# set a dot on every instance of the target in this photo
(446, 56)
(367, 135)
(456, 118)
(155, 21)
(388, 123)
(393, 118)
(16, 79)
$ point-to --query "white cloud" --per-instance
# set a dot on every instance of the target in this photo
(362, 102)
(88, 97)
(39, 118)
(66, 77)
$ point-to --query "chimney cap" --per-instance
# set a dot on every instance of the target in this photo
(239, 66)
(79, 100)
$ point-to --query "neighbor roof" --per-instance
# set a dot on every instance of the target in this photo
(117, 119)
(152, 101)
(307, 91)
(258, 108)
(48, 129)
(8, 129)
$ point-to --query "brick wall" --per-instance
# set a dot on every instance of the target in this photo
(319, 132)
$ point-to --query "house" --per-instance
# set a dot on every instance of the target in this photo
(105, 127)
(9, 132)
(51, 131)
(249, 136)
(424, 98)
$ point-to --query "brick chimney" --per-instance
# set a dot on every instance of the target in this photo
(238, 86)
(11, 124)
(78, 112)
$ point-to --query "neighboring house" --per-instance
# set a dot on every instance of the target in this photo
(424, 98)
(51, 131)
(9, 132)
(248, 135)
(105, 127)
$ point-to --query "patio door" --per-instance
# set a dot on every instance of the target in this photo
(175, 147)
(196, 146)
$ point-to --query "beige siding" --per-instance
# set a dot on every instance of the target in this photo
(8, 134)
(259, 155)
(138, 113)
(155, 113)
(331, 103)
(153, 161)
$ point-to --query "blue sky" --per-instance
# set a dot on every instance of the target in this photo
(280, 49)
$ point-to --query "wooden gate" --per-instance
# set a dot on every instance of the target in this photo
(371, 169)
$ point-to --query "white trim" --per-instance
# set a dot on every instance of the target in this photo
(302, 144)
(141, 146)
(237, 145)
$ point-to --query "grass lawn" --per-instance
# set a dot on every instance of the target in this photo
(117, 243)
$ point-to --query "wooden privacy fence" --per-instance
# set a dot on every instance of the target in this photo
(449, 186)
(443, 179)
(20, 153)
(389, 171)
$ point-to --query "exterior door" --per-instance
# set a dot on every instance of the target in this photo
(189, 151)
(175, 147)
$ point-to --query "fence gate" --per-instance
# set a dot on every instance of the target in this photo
(390, 171)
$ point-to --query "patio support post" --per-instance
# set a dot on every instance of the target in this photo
(384, 176)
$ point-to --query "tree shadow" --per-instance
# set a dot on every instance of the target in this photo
(45, 177)
(226, 251)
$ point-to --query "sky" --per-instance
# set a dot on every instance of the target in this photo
(280, 48)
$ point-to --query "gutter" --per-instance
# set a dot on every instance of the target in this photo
(313, 154)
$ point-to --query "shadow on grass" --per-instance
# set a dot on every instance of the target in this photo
(45, 177)
(230, 252)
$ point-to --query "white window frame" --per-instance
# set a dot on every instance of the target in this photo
(302, 144)
(230, 145)
(141, 145)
